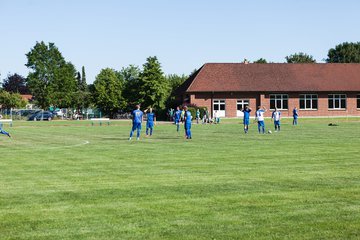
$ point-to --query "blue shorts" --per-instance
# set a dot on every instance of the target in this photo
(246, 121)
(187, 125)
(149, 124)
(261, 124)
(136, 126)
(277, 123)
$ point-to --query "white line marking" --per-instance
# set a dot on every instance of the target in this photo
(71, 146)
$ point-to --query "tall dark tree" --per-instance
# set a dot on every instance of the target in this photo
(300, 58)
(346, 52)
(153, 86)
(15, 84)
(83, 85)
(52, 80)
(107, 91)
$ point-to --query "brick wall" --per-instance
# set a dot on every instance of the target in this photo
(256, 99)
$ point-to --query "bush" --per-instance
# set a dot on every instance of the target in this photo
(193, 110)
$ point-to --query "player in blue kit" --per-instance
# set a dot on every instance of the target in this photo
(137, 118)
(177, 118)
(260, 119)
(295, 116)
(246, 112)
(187, 120)
(276, 115)
(3, 131)
(150, 121)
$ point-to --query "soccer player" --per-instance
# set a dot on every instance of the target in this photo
(177, 118)
(260, 119)
(137, 118)
(276, 115)
(3, 131)
(150, 121)
(197, 116)
(295, 116)
(187, 119)
(246, 120)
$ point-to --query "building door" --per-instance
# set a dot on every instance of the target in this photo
(241, 104)
(219, 106)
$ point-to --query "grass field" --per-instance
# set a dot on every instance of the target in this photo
(69, 180)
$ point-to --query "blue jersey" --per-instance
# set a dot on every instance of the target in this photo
(150, 117)
(137, 116)
(188, 117)
(246, 113)
(295, 113)
(177, 115)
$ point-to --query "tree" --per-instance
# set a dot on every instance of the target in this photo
(344, 53)
(300, 58)
(82, 96)
(15, 84)
(107, 91)
(174, 82)
(83, 85)
(11, 100)
(261, 60)
(64, 86)
(153, 86)
(131, 79)
(52, 80)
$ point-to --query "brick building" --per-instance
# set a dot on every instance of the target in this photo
(315, 89)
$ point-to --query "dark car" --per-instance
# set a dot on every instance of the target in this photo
(45, 115)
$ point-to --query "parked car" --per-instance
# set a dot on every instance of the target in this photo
(58, 113)
(43, 115)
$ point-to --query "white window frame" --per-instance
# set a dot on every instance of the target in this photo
(282, 97)
(336, 98)
(242, 103)
(219, 102)
(308, 96)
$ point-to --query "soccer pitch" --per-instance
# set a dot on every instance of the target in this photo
(71, 180)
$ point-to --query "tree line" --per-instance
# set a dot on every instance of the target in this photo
(55, 82)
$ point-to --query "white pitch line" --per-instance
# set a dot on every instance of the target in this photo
(71, 146)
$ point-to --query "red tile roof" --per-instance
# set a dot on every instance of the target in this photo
(275, 77)
(26, 97)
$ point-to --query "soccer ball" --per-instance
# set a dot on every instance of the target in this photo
(269, 132)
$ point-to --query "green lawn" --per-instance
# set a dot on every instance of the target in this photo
(69, 180)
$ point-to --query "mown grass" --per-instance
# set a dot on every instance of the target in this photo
(69, 180)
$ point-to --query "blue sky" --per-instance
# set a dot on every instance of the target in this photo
(183, 34)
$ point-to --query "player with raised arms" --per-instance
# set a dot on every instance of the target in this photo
(150, 121)
(260, 119)
(246, 120)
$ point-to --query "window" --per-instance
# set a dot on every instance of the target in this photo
(219, 105)
(308, 101)
(241, 104)
(358, 101)
(337, 101)
(279, 101)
